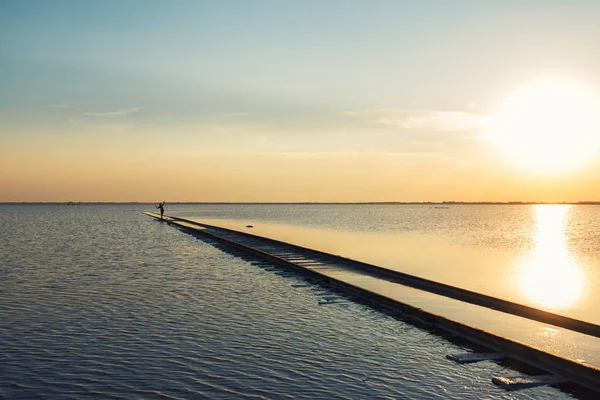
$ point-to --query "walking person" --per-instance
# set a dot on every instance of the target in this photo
(161, 207)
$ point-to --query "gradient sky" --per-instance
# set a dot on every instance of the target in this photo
(279, 100)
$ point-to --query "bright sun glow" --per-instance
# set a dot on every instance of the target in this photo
(549, 124)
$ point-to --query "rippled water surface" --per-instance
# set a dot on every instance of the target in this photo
(105, 301)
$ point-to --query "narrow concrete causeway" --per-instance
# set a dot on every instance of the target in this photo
(383, 289)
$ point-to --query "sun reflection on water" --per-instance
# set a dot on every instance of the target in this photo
(550, 277)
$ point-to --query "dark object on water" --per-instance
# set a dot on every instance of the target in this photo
(522, 382)
(466, 358)
(249, 226)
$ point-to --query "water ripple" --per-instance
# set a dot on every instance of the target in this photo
(105, 302)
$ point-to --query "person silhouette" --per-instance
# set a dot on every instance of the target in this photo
(161, 207)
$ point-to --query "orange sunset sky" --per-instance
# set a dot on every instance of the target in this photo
(271, 101)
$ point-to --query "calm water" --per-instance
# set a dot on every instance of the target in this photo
(547, 256)
(102, 300)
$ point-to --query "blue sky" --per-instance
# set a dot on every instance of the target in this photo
(232, 54)
(276, 75)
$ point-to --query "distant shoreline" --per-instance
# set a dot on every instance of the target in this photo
(442, 203)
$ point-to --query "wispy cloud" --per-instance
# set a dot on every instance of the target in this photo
(232, 115)
(434, 120)
(63, 106)
(116, 113)
(110, 127)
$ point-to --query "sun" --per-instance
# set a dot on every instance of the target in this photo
(548, 124)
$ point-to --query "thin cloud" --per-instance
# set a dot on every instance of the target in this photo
(109, 127)
(434, 120)
(116, 113)
(62, 106)
(232, 115)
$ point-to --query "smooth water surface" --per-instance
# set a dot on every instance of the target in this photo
(546, 256)
(105, 301)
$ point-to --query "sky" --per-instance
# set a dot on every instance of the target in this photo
(285, 101)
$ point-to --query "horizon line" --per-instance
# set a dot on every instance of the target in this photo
(446, 202)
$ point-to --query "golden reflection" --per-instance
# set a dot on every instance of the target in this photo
(550, 277)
